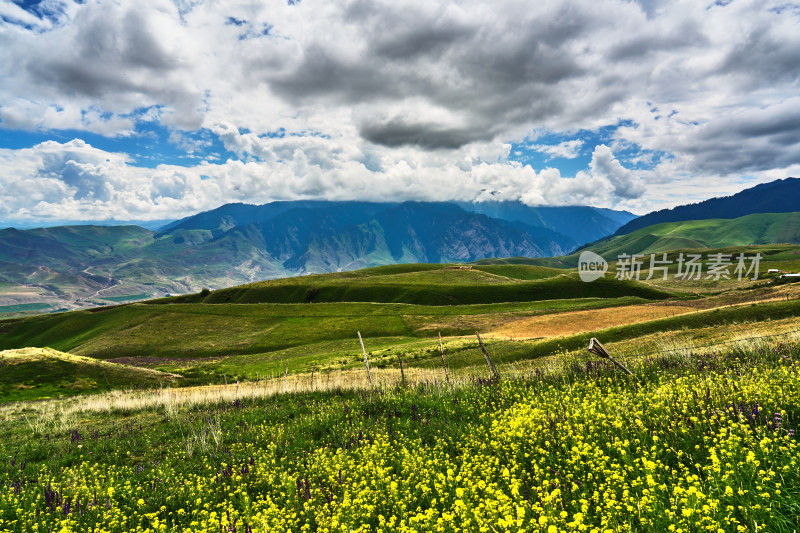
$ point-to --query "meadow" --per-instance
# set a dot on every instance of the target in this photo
(693, 442)
(235, 410)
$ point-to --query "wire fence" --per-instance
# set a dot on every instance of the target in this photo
(735, 341)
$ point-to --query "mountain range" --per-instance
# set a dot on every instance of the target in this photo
(76, 266)
(780, 196)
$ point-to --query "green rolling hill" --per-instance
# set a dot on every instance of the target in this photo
(779, 196)
(310, 322)
(425, 284)
(761, 228)
(36, 373)
(397, 301)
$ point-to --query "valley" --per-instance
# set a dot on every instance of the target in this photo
(74, 267)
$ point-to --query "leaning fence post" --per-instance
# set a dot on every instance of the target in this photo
(366, 361)
(600, 351)
(402, 372)
(488, 359)
(441, 351)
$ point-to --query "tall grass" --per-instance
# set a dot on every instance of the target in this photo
(569, 444)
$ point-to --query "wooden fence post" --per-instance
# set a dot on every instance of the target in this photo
(488, 359)
(441, 351)
(366, 361)
(402, 372)
(600, 351)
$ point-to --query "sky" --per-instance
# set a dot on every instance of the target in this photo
(157, 109)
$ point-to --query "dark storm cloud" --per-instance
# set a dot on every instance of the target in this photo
(648, 42)
(498, 76)
(119, 57)
(323, 75)
(749, 141)
(104, 56)
(396, 132)
(760, 56)
(396, 34)
(418, 42)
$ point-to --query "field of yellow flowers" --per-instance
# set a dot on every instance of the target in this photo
(696, 443)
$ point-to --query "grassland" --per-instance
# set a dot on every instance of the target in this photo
(260, 328)
(275, 425)
(37, 373)
(762, 228)
(525, 312)
(428, 286)
(693, 441)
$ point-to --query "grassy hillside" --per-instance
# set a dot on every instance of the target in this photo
(35, 373)
(429, 285)
(203, 330)
(770, 228)
(293, 436)
(311, 322)
(779, 196)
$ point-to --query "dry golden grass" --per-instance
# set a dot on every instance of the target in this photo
(573, 322)
(64, 414)
(28, 355)
(171, 399)
(677, 344)
(706, 339)
(430, 325)
(697, 341)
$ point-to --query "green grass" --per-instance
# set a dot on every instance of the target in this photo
(368, 457)
(783, 256)
(37, 373)
(758, 229)
(464, 353)
(737, 315)
(203, 330)
(579, 445)
(250, 331)
(521, 272)
(439, 287)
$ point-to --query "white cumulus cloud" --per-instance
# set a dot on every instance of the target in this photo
(392, 99)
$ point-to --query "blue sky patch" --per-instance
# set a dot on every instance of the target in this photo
(539, 151)
(150, 146)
